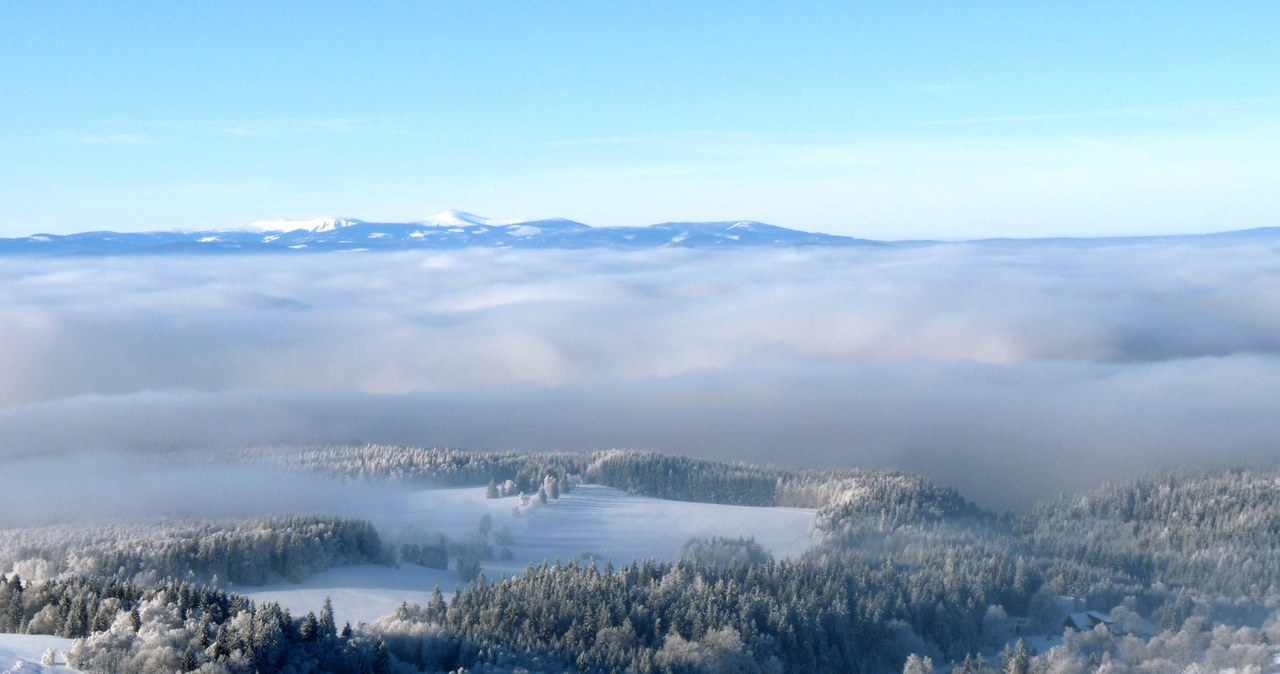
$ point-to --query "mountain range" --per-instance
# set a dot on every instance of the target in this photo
(456, 229)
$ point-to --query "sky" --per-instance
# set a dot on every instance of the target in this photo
(880, 120)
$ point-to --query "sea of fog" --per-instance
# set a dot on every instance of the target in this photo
(1010, 371)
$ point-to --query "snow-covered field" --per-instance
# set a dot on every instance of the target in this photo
(590, 522)
(20, 653)
(359, 593)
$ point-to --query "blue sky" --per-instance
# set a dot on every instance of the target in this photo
(883, 120)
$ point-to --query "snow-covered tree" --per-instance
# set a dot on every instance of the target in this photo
(918, 665)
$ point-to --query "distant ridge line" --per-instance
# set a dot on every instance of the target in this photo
(456, 230)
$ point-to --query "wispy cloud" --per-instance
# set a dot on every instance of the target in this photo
(1134, 113)
(123, 131)
(595, 141)
(265, 128)
(108, 138)
(1204, 111)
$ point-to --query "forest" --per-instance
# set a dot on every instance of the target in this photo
(1179, 569)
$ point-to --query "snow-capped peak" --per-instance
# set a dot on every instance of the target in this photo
(313, 225)
(455, 218)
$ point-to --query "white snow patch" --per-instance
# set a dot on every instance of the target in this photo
(608, 522)
(524, 230)
(359, 593)
(313, 225)
(455, 218)
(378, 235)
(679, 237)
(207, 239)
(298, 246)
(591, 522)
(741, 225)
(21, 653)
(39, 237)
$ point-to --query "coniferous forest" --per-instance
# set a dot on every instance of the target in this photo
(901, 575)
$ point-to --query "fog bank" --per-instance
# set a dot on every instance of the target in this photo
(1011, 372)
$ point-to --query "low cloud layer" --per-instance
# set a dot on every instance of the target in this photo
(88, 486)
(1009, 371)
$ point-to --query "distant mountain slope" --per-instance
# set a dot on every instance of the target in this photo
(448, 230)
(452, 230)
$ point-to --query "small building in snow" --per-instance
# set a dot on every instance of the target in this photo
(1087, 620)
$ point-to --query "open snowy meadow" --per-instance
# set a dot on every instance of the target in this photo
(22, 653)
(589, 523)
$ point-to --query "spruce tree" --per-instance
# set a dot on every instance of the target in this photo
(1020, 660)
(15, 605)
(328, 627)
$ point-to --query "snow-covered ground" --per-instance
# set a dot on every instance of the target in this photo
(590, 522)
(606, 523)
(359, 593)
(20, 653)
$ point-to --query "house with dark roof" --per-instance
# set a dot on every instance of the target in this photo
(1087, 620)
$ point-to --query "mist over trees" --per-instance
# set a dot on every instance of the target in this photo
(903, 575)
(667, 476)
(248, 551)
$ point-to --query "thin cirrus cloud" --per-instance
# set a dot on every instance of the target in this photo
(1196, 114)
(1041, 368)
(108, 138)
(279, 127)
(138, 132)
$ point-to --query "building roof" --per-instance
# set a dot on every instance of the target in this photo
(1088, 620)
